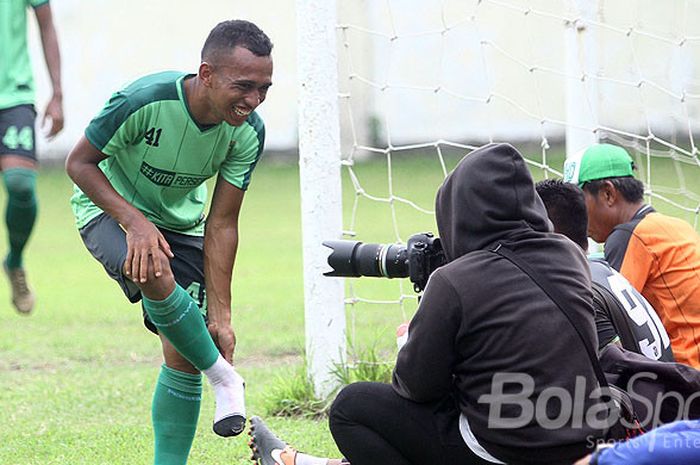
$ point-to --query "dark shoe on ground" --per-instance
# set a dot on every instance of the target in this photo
(22, 295)
(267, 448)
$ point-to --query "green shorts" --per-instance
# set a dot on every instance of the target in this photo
(106, 241)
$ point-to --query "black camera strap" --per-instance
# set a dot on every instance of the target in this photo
(620, 398)
(553, 293)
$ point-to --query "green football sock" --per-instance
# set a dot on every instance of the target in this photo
(179, 320)
(175, 412)
(21, 211)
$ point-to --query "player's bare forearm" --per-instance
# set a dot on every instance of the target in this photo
(81, 166)
(142, 237)
(220, 245)
(49, 42)
(52, 56)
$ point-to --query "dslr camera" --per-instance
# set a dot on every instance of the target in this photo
(416, 260)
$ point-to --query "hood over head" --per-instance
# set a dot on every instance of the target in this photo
(488, 196)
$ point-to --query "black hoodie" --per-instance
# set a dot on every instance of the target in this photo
(481, 316)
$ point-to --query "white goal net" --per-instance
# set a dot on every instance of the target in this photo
(422, 83)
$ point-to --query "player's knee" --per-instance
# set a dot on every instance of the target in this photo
(165, 280)
(344, 403)
(177, 362)
(20, 182)
(157, 261)
(159, 258)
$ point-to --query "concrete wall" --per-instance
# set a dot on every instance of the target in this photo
(106, 43)
(476, 70)
(410, 70)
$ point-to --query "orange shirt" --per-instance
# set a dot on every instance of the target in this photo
(660, 256)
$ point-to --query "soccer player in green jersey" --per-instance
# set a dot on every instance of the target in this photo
(17, 115)
(139, 199)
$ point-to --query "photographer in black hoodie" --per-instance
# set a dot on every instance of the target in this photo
(490, 359)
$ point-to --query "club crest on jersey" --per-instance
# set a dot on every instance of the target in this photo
(170, 178)
(231, 145)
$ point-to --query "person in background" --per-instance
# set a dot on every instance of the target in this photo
(18, 160)
(672, 444)
(622, 314)
(658, 254)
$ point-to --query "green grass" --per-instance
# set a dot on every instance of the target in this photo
(292, 395)
(76, 377)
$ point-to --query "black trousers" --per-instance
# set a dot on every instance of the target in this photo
(372, 425)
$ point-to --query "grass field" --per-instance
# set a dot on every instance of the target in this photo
(76, 377)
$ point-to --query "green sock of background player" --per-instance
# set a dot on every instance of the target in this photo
(178, 318)
(21, 211)
(175, 411)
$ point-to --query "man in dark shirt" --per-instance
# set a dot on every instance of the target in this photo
(622, 314)
(658, 254)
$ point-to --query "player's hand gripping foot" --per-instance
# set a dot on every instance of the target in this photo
(229, 390)
(267, 448)
(22, 296)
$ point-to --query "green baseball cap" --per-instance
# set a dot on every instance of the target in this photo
(599, 161)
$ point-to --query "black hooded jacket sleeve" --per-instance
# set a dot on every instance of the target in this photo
(425, 365)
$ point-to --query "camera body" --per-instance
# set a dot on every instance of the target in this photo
(425, 255)
(422, 255)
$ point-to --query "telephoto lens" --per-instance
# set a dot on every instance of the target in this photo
(355, 259)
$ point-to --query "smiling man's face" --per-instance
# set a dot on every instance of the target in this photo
(238, 83)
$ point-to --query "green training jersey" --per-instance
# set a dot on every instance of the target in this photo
(16, 78)
(158, 156)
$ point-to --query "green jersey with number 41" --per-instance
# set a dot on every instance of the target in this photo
(158, 156)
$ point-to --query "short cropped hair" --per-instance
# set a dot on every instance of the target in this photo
(566, 209)
(236, 33)
(632, 189)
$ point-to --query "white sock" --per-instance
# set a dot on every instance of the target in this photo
(303, 459)
(228, 387)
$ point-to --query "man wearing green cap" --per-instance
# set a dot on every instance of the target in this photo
(658, 254)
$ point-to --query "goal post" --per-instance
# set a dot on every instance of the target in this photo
(581, 87)
(319, 172)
